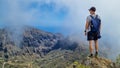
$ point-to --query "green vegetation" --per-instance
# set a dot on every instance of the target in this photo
(118, 61)
(54, 59)
(57, 59)
(77, 65)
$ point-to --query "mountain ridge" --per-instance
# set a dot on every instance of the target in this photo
(41, 50)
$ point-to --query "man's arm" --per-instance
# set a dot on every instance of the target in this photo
(86, 27)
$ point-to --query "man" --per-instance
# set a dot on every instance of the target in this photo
(92, 30)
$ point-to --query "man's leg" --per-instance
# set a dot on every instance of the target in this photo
(96, 48)
(91, 47)
(96, 45)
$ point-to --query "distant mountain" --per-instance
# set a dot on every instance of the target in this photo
(40, 49)
(34, 41)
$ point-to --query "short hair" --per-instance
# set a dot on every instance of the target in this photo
(92, 8)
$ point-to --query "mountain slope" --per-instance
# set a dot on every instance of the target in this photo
(40, 49)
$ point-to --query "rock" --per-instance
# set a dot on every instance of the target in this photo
(98, 62)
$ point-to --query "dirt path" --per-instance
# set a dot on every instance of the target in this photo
(29, 65)
(3, 65)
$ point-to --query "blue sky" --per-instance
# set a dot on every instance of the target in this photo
(60, 16)
(46, 16)
(50, 16)
(64, 16)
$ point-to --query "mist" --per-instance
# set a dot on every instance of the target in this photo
(16, 14)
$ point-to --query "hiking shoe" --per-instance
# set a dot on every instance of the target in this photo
(96, 54)
(91, 55)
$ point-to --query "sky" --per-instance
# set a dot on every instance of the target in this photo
(62, 16)
(57, 15)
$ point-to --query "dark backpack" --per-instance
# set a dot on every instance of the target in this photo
(95, 24)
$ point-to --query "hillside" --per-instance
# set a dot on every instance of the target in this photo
(93, 63)
(40, 49)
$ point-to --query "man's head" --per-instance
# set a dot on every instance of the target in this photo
(92, 10)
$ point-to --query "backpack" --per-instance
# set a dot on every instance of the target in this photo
(95, 24)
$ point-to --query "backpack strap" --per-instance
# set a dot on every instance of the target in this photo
(93, 17)
(96, 16)
(91, 20)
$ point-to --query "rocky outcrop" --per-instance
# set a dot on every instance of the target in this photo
(33, 41)
(98, 62)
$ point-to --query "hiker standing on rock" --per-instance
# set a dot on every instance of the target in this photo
(92, 30)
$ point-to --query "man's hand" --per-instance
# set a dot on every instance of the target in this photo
(85, 33)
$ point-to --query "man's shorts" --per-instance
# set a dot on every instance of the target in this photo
(93, 36)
